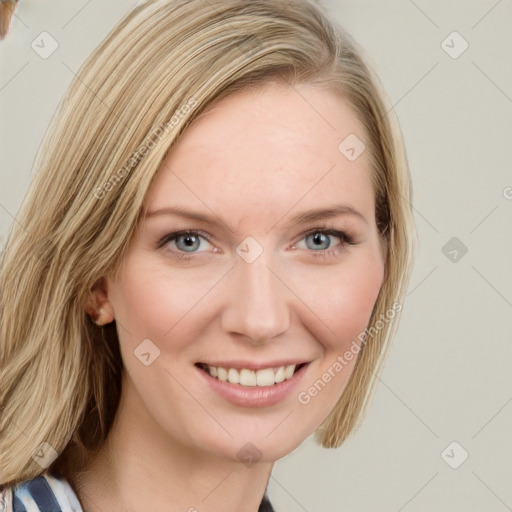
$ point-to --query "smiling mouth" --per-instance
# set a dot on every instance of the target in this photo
(251, 378)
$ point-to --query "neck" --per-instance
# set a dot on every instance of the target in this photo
(141, 467)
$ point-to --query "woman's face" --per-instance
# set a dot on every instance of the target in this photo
(282, 268)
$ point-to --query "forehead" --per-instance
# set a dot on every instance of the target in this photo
(261, 152)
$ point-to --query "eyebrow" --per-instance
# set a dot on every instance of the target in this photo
(308, 216)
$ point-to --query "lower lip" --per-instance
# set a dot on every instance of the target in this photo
(254, 396)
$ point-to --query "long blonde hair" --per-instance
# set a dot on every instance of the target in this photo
(158, 70)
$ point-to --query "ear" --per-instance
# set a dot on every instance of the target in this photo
(97, 304)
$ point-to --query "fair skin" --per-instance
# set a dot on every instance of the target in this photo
(252, 163)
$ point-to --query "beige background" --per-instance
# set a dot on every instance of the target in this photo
(448, 375)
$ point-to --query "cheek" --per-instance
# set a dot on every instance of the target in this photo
(152, 303)
(343, 299)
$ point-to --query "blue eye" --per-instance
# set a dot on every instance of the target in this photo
(319, 239)
(321, 242)
(188, 242)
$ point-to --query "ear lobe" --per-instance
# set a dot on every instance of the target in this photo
(97, 304)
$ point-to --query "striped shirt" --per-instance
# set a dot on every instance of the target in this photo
(47, 493)
(42, 494)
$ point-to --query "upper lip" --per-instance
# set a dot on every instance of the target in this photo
(252, 365)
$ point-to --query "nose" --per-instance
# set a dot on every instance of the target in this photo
(258, 304)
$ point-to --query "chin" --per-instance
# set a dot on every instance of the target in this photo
(260, 446)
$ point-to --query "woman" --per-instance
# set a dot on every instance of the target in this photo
(208, 266)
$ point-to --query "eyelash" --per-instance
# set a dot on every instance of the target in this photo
(326, 253)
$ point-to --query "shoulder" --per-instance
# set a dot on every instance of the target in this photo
(44, 493)
(47, 493)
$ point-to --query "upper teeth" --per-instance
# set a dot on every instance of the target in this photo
(245, 377)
